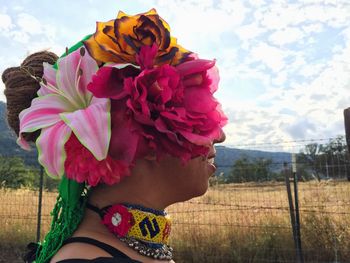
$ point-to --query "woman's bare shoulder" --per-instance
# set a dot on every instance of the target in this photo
(79, 251)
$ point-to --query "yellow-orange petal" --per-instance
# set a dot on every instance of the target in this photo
(95, 50)
(102, 38)
(121, 14)
(126, 24)
(153, 11)
(124, 27)
(164, 38)
(181, 53)
(119, 40)
(100, 46)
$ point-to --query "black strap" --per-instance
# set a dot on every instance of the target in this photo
(95, 209)
(109, 249)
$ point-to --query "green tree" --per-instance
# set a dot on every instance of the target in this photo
(263, 169)
(14, 173)
(336, 158)
(330, 160)
(309, 160)
(249, 170)
(241, 171)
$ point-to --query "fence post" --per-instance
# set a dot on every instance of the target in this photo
(299, 251)
(41, 182)
(347, 126)
(347, 132)
(291, 205)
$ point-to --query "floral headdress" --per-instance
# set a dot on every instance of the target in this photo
(125, 91)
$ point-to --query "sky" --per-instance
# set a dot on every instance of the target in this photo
(284, 65)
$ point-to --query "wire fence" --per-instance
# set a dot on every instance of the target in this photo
(246, 215)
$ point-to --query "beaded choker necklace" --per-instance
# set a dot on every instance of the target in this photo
(144, 229)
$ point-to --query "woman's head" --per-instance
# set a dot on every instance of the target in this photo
(99, 112)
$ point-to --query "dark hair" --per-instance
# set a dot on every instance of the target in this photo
(21, 86)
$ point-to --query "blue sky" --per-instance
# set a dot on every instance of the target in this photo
(284, 65)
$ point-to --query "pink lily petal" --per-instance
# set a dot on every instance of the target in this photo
(89, 67)
(43, 112)
(50, 77)
(92, 126)
(75, 72)
(50, 146)
(23, 143)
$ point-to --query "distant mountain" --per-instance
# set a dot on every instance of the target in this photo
(8, 145)
(5, 132)
(225, 156)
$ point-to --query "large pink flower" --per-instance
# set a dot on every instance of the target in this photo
(169, 109)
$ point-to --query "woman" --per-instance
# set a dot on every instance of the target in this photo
(127, 120)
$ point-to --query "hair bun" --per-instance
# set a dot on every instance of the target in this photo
(21, 88)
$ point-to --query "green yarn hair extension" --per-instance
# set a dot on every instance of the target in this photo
(69, 208)
(66, 217)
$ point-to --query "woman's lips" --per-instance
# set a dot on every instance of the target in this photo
(211, 155)
(211, 164)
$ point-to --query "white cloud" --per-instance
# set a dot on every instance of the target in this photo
(300, 128)
(313, 28)
(280, 79)
(313, 104)
(346, 33)
(286, 36)
(271, 56)
(253, 125)
(299, 61)
(5, 22)
(311, 71)
(335, 16)
(19, 36)
(279, 16)
(250, 31)
(317, 104)
(256, 3)
(29, 24)
(48, 46)
(235, 9)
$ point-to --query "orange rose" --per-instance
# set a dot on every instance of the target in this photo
(120, 40)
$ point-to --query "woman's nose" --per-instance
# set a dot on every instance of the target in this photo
(222, 138)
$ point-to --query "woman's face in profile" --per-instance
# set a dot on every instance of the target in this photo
(192, 179)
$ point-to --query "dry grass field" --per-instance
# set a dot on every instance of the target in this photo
(231, 223)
